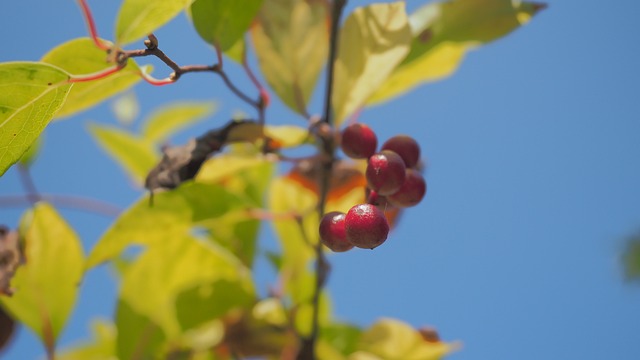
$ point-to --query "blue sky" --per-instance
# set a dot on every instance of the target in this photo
(533, 181)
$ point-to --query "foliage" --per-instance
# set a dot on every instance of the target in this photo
(190, 293)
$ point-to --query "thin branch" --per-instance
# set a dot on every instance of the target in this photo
(307, 351)
(66, 201)
(29, 186)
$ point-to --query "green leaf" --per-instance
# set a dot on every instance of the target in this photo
(138, 336)
(443, 33)
(81, 57)
(30, 95)
(183, 283)
(173, 214)
(393, 339)
(167, 120)
(372, 41)
(222, 23)
(248, 178)
(102, 347)
(342, 337)
(47, 284)
(291, 43)
(138, 18)
(136, 155)
(237, 51)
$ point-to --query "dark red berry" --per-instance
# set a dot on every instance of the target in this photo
(358, 141)
(406, 147)
(366, 226)
(385, 172)
(411, 192)
(332, 232)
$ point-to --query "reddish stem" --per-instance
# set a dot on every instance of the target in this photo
(92, 25)
(97, 75)
(157, 82)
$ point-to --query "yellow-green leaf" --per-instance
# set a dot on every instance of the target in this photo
(392, 339)
(288, 198)
(81, 57)
(102, 346)
(373, 40)
(172, 214)
(30, 95)
(47, 284)
(223, 22)
(138, 18)
(237, 51)
(248, 178)
(136, 155)
(185, 282)
(443, 32)
(287, 135)
(167, 120)
(291, 42)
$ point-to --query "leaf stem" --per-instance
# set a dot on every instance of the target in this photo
(86, 12)
(27, 182)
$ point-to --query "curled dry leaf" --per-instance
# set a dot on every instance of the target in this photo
(181, 163)
(10, 258)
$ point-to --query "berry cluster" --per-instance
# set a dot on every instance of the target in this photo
(392, 180)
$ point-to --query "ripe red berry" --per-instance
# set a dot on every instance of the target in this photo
(358, 141)
(406, 147)
(411, 192)
(332, 232)
(385, 172)
(366, 226)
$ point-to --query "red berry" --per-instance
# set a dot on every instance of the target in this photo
(406, 147)
(411, 192)
(366, 226)
(332, 232)
(385, 172)
(358, 141)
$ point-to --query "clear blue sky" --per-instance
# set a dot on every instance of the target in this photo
(534, 183)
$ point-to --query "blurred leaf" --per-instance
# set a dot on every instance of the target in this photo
(372, 41)
(443, 32)
(136, 155)
(183, 283)
(167, 120)
(172, 215)
(222, 23)
(631, 258)
(102, 347)
(47, 285)
(248, 178)
(126, 108)
(81, 57)
(30, 95)
(393, 339)
(286, 136)
(138, 18)
(32, 153)
(291, 43)
(342, 337)
(254, 337)
(237, 53)
(287, 198)
(138, 336)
